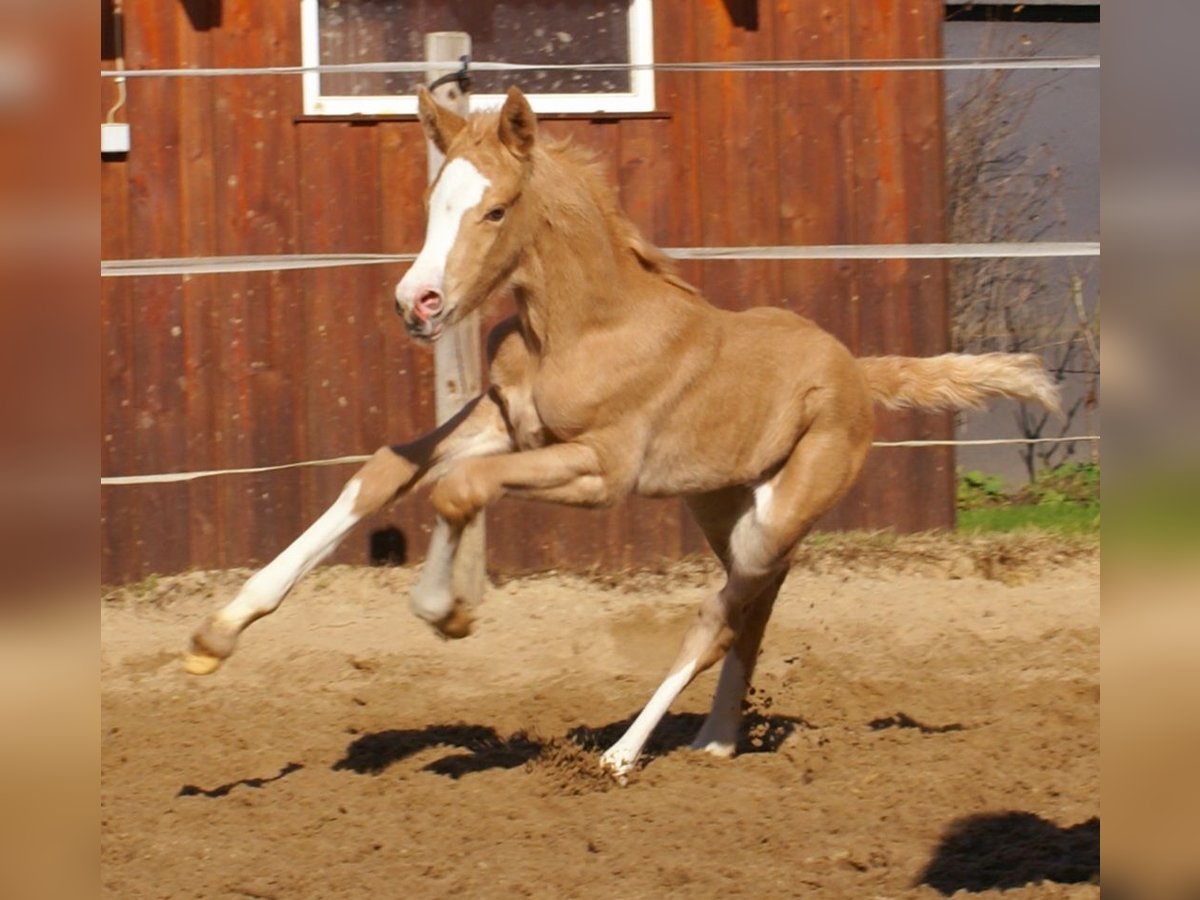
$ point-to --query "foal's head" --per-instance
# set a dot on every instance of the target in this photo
(477, 222)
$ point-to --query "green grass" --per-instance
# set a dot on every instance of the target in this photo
(1062, 518)
(1064, 500)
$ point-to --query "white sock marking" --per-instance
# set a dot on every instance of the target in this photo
(433, 596)
(267, 587)
(719, 733)
(621, 756)
(747, 543)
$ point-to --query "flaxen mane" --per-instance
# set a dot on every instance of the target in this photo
(583, 165)
(591, 171)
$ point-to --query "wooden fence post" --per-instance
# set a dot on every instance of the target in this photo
(458, 370)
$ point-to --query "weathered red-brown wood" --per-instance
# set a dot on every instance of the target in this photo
(120, 511)
(327, 220)
(201, 303)
(157, 352)
(878, 216)
(932, 469)
(277, 367)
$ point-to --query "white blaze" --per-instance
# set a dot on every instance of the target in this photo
(459, 188)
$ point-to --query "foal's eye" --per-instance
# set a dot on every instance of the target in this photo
(495, 214)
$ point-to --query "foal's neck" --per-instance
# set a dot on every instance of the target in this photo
(575, 274)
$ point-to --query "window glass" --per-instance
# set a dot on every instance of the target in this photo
(556, 32)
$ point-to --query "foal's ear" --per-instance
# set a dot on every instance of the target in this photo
(441, 125)
(518, 124)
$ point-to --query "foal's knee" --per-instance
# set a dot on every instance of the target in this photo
(380, 480)
(463, 492)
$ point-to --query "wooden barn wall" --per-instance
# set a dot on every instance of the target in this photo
(223, 371)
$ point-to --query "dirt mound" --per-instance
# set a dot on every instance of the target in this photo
(569, 769)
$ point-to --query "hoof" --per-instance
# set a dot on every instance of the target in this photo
(617, 766)
(211, 646)
(621, 778)
(201, 664)
(457, 623)
(719, 749)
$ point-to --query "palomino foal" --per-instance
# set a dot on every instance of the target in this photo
(616, 377)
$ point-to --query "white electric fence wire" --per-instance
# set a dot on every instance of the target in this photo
(239, 264)
(171, 477)
(218, 265)
(794, 65)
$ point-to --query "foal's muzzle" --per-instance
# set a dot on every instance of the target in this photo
(423, 310)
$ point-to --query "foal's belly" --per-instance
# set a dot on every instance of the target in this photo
(742, 419)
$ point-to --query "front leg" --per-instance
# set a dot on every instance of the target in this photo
(561, 473)
(480, 428)
(434, 598)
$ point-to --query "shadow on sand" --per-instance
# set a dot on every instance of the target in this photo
(1012, 849)
(480, 747)
(191, 790)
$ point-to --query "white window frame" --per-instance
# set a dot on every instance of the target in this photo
(639, 99)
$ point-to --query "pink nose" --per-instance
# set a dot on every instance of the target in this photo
(428, 305)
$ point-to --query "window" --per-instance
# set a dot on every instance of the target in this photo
(555, 32)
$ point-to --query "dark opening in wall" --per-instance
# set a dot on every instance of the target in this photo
(389, 547)
(1068, 13)
(203, 14)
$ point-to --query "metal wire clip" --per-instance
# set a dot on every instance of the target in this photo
(462, 76)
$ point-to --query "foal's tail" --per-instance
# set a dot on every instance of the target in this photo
(958, 380)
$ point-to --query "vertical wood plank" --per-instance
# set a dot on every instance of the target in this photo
(199, 296)
(120, 517)
(737, 159)
(933, 468)
(889, 207)
(157, 365)
(458, 365)
(328, 197)
(254, 158)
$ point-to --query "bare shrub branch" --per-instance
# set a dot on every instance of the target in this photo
(1000, 188)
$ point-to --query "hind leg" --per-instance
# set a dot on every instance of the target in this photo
(798, 486)
(719, 733)
(716, 514)
(706, 641)
(763, 534)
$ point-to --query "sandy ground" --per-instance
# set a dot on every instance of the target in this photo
(916, 730)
